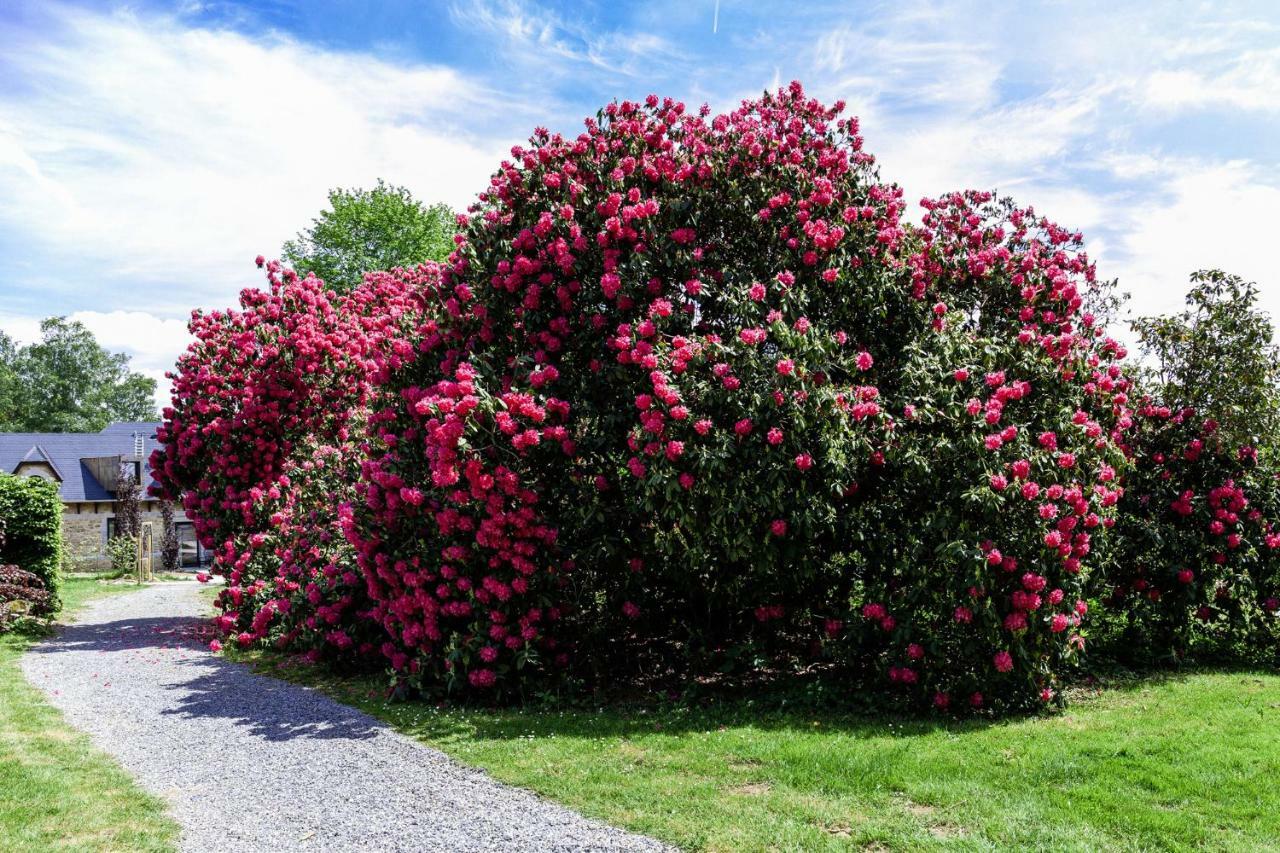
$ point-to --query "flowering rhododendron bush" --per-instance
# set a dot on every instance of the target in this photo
(652, 396)
(1195, 571)
(694, 396)
(1003, 471)
(699, 388)
(259, 445)
(1196, 568)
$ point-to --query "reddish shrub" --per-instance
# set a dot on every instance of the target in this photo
(1196, 566)
(22, 593)
(653, 391)
(690, 365)
(261, 443)
(1004, 474)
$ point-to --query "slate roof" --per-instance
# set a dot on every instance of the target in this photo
(147, 428)
(63, 452)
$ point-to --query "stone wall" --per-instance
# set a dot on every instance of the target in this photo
(84, 534)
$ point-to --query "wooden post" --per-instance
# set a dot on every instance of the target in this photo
(145, 543)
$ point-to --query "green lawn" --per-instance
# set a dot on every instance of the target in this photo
(1180, 763)
(58, 792)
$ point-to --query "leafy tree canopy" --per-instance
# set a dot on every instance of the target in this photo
(377, 229)
(68, 382)
(8, 379)
(1217, 357)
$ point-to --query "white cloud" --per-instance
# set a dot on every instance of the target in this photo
(1206, 216)
(170, 156)
(22, 330)
(151, 341)
(1250, 82)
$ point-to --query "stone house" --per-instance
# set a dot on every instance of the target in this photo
(85, 466)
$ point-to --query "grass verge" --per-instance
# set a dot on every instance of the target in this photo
(57, 791)
(1173, 763)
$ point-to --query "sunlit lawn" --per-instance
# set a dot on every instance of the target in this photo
(1163, 764)
(58, 792)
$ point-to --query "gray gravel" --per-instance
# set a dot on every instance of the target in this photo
(251, 763)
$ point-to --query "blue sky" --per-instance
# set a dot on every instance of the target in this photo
(149, 150)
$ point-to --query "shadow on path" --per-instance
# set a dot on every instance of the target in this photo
(156, 632)
(167, 657)
(268, 708)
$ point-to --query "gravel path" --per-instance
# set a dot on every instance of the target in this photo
(251, 763)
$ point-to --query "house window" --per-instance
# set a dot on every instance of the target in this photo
(113, 529)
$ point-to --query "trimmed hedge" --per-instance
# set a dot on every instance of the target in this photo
(31, 512)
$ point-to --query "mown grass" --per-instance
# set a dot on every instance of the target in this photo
(57, 791)
(1171, 763)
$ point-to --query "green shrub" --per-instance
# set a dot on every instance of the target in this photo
(32, 515)
(123, 551)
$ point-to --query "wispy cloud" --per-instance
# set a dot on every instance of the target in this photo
(1197, 215)
(168, 156)
(532, 34)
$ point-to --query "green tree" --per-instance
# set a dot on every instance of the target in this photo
(366, 230)
(8, 379)
(1217, 358)
(68, 382)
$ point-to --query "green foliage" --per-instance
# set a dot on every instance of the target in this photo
(123, 551)
(365, 230)
(32, 515)
(1217, 358)
(67, 382)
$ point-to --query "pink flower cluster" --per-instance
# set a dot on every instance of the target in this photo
(1202, 549)
(261, 443)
